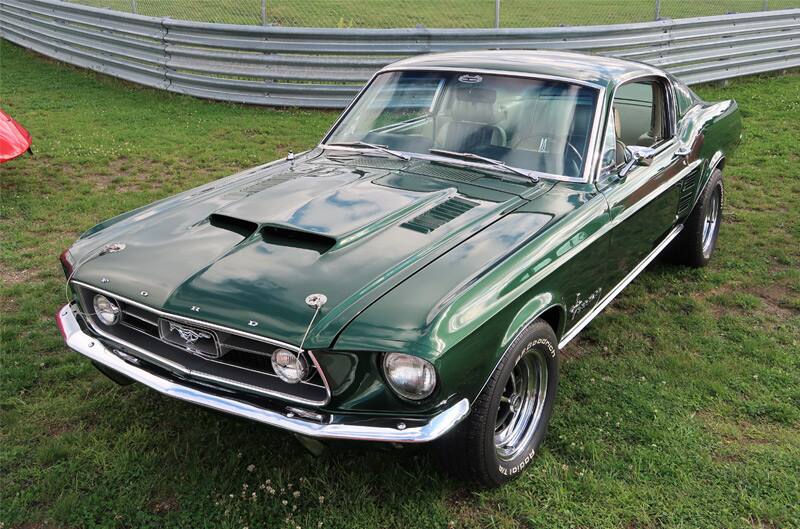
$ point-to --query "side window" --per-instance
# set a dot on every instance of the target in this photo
(685, 98)
(641, 110)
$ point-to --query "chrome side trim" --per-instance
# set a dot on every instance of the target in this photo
(88, 346)
(184, 319)
(583, 322)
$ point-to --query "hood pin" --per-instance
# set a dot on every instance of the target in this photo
(113, 247)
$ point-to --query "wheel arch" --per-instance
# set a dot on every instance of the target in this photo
(543, 306)
(717, 162)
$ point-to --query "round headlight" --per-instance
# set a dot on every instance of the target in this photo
(107, 310)
(289, 366)
(409, 376)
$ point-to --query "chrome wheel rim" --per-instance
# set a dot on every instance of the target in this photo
(711, 223)
(521, 405)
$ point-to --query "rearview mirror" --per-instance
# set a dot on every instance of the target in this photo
(638, 156)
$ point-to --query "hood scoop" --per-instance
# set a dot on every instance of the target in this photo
(245, 228)
(294, 238)
(439, 215)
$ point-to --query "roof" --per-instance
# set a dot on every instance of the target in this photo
(596, 69)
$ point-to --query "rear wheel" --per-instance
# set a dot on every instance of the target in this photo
(509, 419)
(697, 241)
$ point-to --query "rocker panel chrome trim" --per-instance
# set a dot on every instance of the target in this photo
(90, 347)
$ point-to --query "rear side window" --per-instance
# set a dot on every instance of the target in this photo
(684, 97)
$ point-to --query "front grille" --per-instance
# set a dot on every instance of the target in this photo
(237, 362)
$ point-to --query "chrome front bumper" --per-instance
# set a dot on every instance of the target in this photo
(92, 348)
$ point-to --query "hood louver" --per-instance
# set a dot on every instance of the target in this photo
(439, 215)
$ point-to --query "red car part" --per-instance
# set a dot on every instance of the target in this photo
(14, 139)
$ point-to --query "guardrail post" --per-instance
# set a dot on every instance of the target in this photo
(133, 7)
(766, 5)
(658, 10)
(263, 12)
(166, 64)
(496, 13)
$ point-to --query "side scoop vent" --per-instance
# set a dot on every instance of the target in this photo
(439, 215)
(244, 228)
(291, 238)
(687, 192)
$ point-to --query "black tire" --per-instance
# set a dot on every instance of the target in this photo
(697, 241)
(470, 452)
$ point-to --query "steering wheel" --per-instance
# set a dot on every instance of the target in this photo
(575, 162)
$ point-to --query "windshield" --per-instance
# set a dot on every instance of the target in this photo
(533, 124)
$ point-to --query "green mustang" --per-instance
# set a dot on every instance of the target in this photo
(413, 277)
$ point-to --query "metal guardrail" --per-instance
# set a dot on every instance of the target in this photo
(314, 67)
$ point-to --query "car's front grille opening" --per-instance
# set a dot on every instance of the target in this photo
(139, 319)
(208, 354)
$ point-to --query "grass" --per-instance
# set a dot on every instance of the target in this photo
(441, 13)
(679, 407)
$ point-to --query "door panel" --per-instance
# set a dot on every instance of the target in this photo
(644, 207)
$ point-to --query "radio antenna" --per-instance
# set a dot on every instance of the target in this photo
(316, 302)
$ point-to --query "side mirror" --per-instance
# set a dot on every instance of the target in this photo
(638, 156)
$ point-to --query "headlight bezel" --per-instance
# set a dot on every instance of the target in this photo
(99, 312)
(389, 364)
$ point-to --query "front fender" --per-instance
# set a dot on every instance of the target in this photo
(463, 310)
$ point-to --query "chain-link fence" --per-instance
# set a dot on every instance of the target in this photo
(434, 13)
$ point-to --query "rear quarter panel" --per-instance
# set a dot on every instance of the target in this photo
(713, 131)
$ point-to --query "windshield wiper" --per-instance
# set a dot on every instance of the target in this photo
(365, 145)
(491, 161)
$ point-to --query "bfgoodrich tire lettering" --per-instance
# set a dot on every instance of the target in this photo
(509, 419)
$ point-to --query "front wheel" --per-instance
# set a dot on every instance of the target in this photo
(509, 419)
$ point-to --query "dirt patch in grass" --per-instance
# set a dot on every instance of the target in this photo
(775, 298)
(123, 175)
(165, 505)
(467, 511)
(738, 300)
(740, 432)
(10, 276)
(58, 429)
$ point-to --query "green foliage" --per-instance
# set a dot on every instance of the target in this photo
(680, 406)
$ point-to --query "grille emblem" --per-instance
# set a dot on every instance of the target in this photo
(190, 335)
(196, 341)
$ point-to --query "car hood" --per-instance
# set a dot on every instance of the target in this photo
(246, 251)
